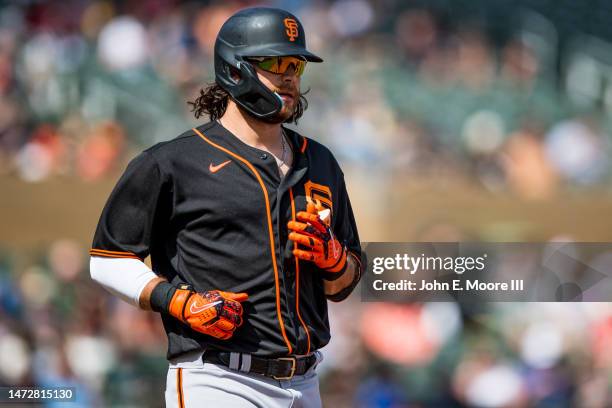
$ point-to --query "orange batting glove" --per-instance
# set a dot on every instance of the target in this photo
(316, 235)
(215, 313)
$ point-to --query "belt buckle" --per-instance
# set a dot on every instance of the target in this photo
(293, 367)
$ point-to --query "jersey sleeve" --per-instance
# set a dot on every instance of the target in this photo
(124, 228)
(345, 229)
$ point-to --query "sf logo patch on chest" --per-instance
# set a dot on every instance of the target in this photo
(319, 192)
(292, 28)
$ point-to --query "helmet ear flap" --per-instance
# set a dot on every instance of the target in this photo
(245, 88)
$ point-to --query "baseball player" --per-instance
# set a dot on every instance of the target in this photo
(248, 225)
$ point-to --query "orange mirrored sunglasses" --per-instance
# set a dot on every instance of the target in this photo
(279, 65)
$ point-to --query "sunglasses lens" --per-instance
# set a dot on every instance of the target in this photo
(299, 67)
(269, 64)
(297, 64)
(280, 65)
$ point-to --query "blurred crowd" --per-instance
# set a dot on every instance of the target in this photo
(491, 355)
(57, 328)
(503, 98)
(507, 99)
(60, 329)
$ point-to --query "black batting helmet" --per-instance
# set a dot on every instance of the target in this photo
(256, 32)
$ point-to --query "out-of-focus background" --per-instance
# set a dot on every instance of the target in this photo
(453, 120)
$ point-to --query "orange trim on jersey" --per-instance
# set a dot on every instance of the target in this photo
(112, 254)
(303, 148)
(179, 387)
(270, 230)
(297, 276)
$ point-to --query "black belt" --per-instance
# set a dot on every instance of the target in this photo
(282, 368)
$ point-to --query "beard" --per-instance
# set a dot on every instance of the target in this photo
(290, 110)
(286, 114)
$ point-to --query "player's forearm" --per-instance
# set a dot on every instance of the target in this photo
(343, 282)
(123, 277)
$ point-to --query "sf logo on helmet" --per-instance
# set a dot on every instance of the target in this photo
(292, 28)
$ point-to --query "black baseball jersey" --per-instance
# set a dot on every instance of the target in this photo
(212, 212)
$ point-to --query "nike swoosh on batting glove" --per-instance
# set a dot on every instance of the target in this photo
(215, 313)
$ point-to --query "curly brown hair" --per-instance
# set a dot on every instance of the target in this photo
(213, 102)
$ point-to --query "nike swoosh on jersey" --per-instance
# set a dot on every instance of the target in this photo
(214, 169)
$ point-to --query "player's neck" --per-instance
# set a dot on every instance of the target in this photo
(251, 131)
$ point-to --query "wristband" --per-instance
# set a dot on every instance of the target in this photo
(161, 296)
(343, 294)
(328, 275)
(332, 276)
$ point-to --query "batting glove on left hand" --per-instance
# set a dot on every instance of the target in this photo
(215, 313)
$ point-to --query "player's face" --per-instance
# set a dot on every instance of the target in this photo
(287, 85)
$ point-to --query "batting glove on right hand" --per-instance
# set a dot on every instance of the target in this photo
(321, 246)
(215, 313)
